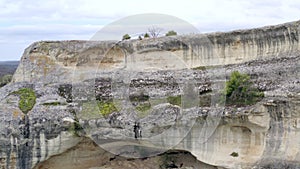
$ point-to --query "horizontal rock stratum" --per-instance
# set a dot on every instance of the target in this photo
(43, 60)
(90, 96)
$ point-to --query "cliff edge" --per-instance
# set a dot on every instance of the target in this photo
(57, 61)
(149, 103)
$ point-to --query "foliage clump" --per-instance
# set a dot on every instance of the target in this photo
(240, 91)
(234, 154)
(171, 33)
(126, 37)
(5, 80)
(146, 35)
(27, 99)
(143, 107)
(52, 104)
(106, 108)
(175, 100)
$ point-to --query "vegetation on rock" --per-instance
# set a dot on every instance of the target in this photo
(27, 99)
(52, 104)
(76, 128)
(106, 108)
(143, 107)
(146, 35)
(126, 37)
(171, 33)
(5, 80)
(240, 91)
(175, 100)
(234, 154)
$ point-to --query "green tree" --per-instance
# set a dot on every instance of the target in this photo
(146, 35)
(27, 99)
(126, 37)
(240, 91)
(171, 33)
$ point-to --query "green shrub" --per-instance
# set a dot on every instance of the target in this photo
(146, 35)
(5, 80)
(106, 108)
(126, 37)
(143, 107)
(27, 99)
(171, 33)
(240, 91)
(234, 154)
(175, 100)
(52, 104)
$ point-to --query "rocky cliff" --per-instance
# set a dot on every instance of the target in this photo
(42, 61)
(90, 95)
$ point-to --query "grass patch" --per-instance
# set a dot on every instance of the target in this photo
(96, 109)
(106, 108)
(204, 67)
(52, 104)
(27, 99)
(90, 110)
(143, 107)
(175, 100)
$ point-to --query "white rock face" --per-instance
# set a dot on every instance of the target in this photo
(65, 61)
(69, 76)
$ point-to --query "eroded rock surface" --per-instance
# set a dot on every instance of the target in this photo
(143, 83)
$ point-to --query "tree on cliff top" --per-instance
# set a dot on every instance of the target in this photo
(126, 37)
(146, 35)
(154, 31)
(171, 33)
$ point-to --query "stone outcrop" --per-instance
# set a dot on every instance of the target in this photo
(142, 81)
(64, 61)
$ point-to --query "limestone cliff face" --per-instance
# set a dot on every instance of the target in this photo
(71, 79)
(43, 60)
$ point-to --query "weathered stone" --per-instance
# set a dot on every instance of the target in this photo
(70, 77)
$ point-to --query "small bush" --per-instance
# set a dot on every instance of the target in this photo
(5, 80)
(175, 100)
(146, 35)
(52, 104)
(240, 91)
(171, 33)
(27, 99)
(143, 107)
(106, 108)
(126, 37)
(234, 154)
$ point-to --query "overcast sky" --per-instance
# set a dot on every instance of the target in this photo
(24, 21)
